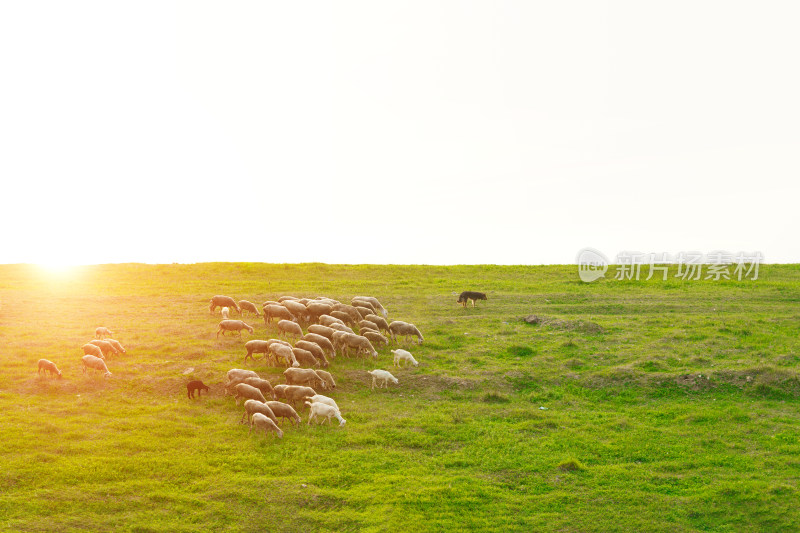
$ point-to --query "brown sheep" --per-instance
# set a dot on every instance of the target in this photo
(197, 386)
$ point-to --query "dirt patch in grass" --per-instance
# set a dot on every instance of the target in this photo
(585, 326)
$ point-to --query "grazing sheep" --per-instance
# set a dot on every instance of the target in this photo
(470, 296)
(284, 298)
(327, 320)
(91, 349)
(351, 311)
(244, 305)
(364, 311)
(287, 327)
(195, 385)
(326, 376)
(238, 375)
(276, 311)
(382, 377)
(223, 301)
(295, 393)
(325, 331)
(323, 342)
(304, 357)
(261, 384)
(226, 313)
(314, 349)
(48, 366)
(368, 324)
(248, 392)
(281, 351)
(374, 301)
(256, 346)
(233, 325)
(297, 309)
(341, 327)
(404, 328)
(375, 337)
(378, 321)
(344, 317)
(323, 410)
(106, 347)
(340, 341)
(316, 309)
(271, 302)
(260, 421)
(403, 355)
(117, 346)
(304, 376)
(361, 344)
(283, 410)
(90, 361)
(319, 398)
(102, 332)
(254, 406)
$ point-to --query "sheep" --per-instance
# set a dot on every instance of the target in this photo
(281, 351)
(261, 384)
(327, 320)
(297, 309)
(341, 327)
(276, 311)
(404, 328)
(223, 301)
(378, 321)
(195, 385)
(319, 329)
(293, 393)
(237, 375)
(315, 350)
(375, 337)
(340, 341)
(106, 347)
(90, 361)
(244, 305)
(344, 317)
(284, 298)
(364, 311)
(304, 357)
(323, 342)
(361, 344)
(283, 410)
(48, 366)
(117, 346)
(256, 346)
(226, 313)
(304, 376)
(91, 349)
(327, 378)
(316, 309)
(260, 421)
(403, 355)
(382, 377)
(287, 327)
(271, 302)
(351, 311)
(233, 325)
(375, 303)
(319, 398)
(243, 390)
(323, 410)
(368, 324)
(102, 332)
(254, 406)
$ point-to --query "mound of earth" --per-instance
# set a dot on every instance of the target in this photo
(560, 323)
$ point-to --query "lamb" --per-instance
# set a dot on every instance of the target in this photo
(304, 376)
(102, 332)
(276, 311)
(297, 309)
(327, 378)
(287, 327)
(404, 328)
(323, 342)
(319, 329)
(195, 385)
(223, 301)
(248, 392)
(304, 357)
(226, 313)
(314, 349)
(319, 398)
(378, 321)
(281, 351)
(382, 377)
(117, 346)
(244, 305)
(344, 317)
(90, 361)
(293, 393)
(260, 421)
(254, 406)
(327, 320)
(283, 410)
(323, 410)
(233, 325)
(91, 349)
(341, 327)
(261, 384)
(368, 324)
(403, 355)
(374, 301)
(106, 347)
(48, 366)
(375, 337)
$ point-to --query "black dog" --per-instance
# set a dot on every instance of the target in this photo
(195, 386)
(470, 296)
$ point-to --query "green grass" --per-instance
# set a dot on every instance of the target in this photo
(637, 406)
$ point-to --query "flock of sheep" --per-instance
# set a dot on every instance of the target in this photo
(95, 352)
(329, 332)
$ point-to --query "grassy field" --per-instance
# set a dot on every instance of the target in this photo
(635, 406)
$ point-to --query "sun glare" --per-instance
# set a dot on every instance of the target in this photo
(57, 268)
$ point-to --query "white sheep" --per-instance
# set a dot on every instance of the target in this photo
(282, 351)
(323, 410)
(91, 349)
(403, 355)
(254, 406)
(260, 421)
(226, 313)
(117, 346)
(233, 325)
(48, 366)
(382, 377)
(102, 332)
(90, 361)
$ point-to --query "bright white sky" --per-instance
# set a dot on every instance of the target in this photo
(397, 132)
